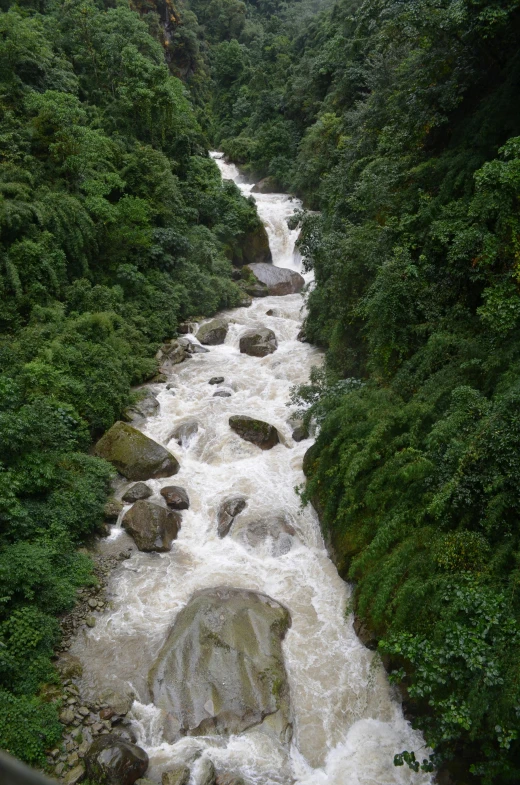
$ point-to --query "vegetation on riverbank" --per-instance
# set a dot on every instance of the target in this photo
(400, 123)
(114, 226)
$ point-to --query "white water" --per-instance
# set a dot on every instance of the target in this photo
(347, 721)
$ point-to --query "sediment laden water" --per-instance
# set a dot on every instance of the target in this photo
(347, 721)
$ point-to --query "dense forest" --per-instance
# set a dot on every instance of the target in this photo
(398, 124)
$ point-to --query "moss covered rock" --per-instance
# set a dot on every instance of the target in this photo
(258, 432)
(213, 333)
(254, 247)
(268, 185)
(221, 669)
(134, 455)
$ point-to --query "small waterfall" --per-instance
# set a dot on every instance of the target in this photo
(347, 721)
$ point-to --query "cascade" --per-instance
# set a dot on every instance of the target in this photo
(347, 720)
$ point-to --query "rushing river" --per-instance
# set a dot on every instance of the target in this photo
(347, 721)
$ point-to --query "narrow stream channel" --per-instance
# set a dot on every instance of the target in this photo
(347, 721)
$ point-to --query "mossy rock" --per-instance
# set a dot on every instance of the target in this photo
(254, 247)
(212, 333)
(221, 669)
(134, 455)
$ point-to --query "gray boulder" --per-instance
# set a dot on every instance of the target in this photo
(185, 431)
(221, 669)
(153, 527)
(213, 333)
(227, 513)
(146, 406)
(216, 380)
(258, 432)
(300, 433)
(134, 455)
(258, 342)
(252, 533)
(175, 497)
(171, 354)
(266, 186)
(113, 761)
(279, 280)
(118, 702)
(222, 394)
(206, 774)
(180, 775)
(138, 491)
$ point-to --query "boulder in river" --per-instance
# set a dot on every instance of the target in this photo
(134, 455)
(216, 380)
(185, 431)
(175, 497)
(213, 333)
(146, 405)
(118, 702)
(221, 669)
(179, 775)
(222, 394)
(279, 280)
(300, 433)
(258, 342)
(258, 432)
(171, 354)
(227, 513)
(113, 761)
(277, 529)
(112, 509)
(206, 774)
(136, 492)
(153, 527)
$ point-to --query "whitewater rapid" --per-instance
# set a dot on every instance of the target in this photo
(348, 723)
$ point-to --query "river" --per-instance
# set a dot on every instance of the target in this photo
(348, 722)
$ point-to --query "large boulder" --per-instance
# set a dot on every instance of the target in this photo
(279, 280)
(254, 247)
(179, 775)
(153, 527)
(258, 432)
(146, 405)
(213, 333)
(136, 492)
(268, 185)
(176, 497)
(113, 761)
(227, 513)
(221, 669)
(118, 702)
(258, 342)
(171, 354)
(134, 455)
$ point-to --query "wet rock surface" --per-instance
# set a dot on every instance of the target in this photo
(213, 333)
(258, 432)
(137, 492)
(230, 640)
(277, 530)
(176, 497)
(227, 513)
(278, 280)
(185, 431)
(146, 405)
(113, 761)
(134, 455)
(153, 527)
(258, 342)
(180, 775)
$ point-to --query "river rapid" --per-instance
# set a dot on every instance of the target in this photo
(348, 722)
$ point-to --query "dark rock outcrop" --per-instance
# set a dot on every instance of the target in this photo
(254, 247)
(213, 333)
(216, 380)
(134, 455)
(300, 433)
(138, 491)
(258, 432)
(258, 342)
(227, 513)
(279, 280)
(153, 527)
(221, 669)
(112, 761)
(175, 497)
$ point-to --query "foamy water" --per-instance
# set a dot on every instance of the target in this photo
(348, 723)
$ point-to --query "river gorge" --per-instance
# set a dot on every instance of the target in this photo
(346, 720)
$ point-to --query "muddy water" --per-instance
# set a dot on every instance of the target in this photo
(347, 721)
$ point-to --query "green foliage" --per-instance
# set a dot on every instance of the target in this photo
(114, 226)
